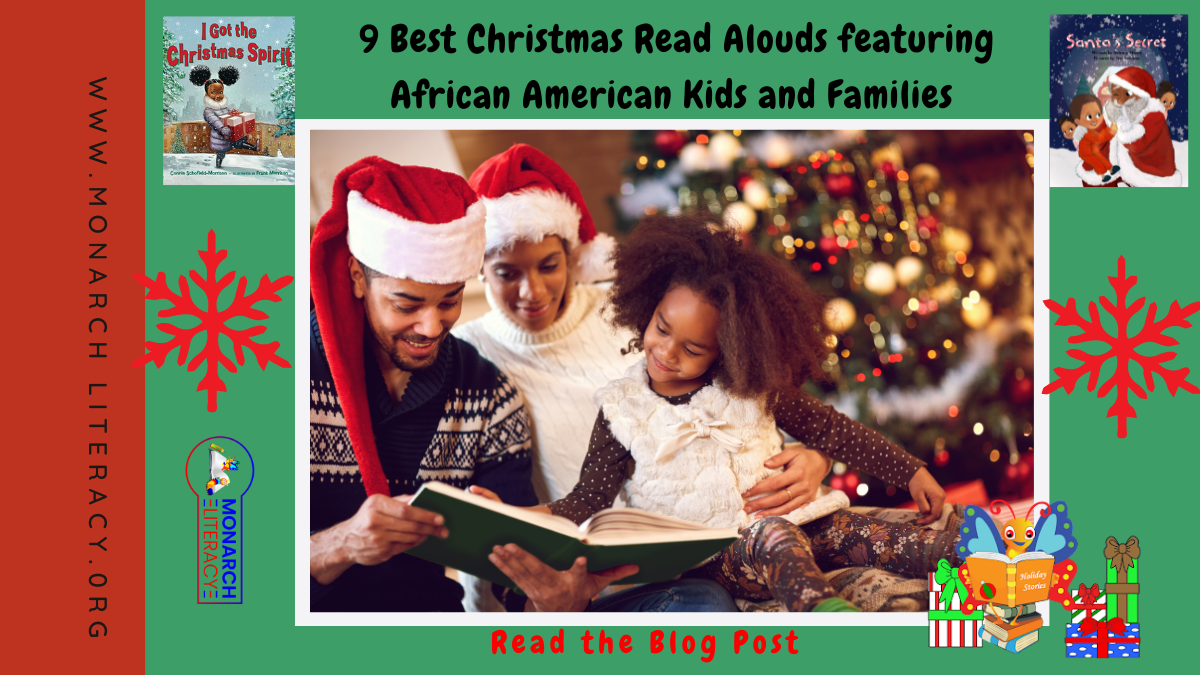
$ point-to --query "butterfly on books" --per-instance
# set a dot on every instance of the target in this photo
(1051, 535)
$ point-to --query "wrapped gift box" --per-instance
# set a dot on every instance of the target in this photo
(240, 124)
(1121, 588)
(1113, 639)
(951, 627)
(1087, 603)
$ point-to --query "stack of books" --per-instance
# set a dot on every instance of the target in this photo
(1010, 587)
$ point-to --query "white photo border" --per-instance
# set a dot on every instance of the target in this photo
(1041, 214)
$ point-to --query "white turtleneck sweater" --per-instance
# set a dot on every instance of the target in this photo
(558, 370)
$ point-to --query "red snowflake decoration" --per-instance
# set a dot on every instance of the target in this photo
(1122, 347)
(212, 321)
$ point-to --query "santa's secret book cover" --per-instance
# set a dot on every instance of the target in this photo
(229, 100)
(1118, 100)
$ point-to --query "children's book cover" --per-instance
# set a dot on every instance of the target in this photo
(229, 100)
(1118, 100)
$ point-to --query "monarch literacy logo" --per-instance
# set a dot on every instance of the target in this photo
(219, 473)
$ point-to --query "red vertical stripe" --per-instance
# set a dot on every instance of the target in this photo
(47, 341)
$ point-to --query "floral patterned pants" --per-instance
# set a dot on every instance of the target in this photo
(775, 559)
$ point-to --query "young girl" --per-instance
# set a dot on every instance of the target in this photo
(730, 334)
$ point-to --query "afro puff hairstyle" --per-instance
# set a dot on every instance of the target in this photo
(771, 337)
(200, 75)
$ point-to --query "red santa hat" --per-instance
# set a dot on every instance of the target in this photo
(403, 221)
(530, 197)
(1133, 79)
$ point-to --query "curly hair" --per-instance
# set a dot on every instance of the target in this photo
(771, 338)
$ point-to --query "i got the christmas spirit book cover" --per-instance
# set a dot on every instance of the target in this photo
(229, 100)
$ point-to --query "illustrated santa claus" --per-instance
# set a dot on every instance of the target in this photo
(1142, 146)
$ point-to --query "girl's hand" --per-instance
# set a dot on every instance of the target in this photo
(804, 470)
(928, 495)
(484, 492)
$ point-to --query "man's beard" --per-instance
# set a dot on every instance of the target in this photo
(1128, 112)
(404, 361)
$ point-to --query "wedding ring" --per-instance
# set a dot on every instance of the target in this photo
(789, 493)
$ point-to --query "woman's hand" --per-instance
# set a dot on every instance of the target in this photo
(548, 589)
(928, 495)
(796, 486)
(484, 492)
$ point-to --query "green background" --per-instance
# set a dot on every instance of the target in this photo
(1139, 485)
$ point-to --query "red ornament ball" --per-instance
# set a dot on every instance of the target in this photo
(669, 143)
(987, 590)
(1021, 391)
(839, 186)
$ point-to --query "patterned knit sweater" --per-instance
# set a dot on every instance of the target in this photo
(558, 371)
(460, 421)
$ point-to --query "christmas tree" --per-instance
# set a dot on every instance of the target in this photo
(172, 89)
(177, 145)
(929, 286)
(284, 96)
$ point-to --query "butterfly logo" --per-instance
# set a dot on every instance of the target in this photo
(1051, 535)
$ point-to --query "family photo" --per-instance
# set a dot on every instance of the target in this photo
(790, 360)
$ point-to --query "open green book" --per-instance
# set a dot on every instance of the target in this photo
(662, 547)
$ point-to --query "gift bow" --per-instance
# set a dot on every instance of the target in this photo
(947, 576)
(1114, 625)
(687, 432)
(1089, 596)
(1122, 555)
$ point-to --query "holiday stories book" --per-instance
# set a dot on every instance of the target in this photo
(1017, 581)
(229, 100)
(1119, 100)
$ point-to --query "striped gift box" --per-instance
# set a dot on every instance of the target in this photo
(1081, 611)
(951, 628)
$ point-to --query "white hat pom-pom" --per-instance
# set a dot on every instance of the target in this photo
(593, 260)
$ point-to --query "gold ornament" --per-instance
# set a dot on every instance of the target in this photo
(723, 149)
(756, 194)
(978, 314)
(888, 153)
(839, 315)
(880, 279)
(944, 293)
(926, 176)
(909, 269)
(778, 150)
(739, 217)
(694, 158)
(985, 274)
(955, 240)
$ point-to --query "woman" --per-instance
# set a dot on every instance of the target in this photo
(546, 330)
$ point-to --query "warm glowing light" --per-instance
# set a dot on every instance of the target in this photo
(954, 411)
(860, 377)
(862, 489)
(702, 139)
(877, 372)
(932, 354)
(978, 428)
(902, 175)
(660, 163)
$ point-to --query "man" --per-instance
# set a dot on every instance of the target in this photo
(1142, 146)
(397, 401)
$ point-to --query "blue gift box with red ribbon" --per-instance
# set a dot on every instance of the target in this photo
(1112, 639)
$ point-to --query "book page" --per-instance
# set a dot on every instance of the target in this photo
(553, 523)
